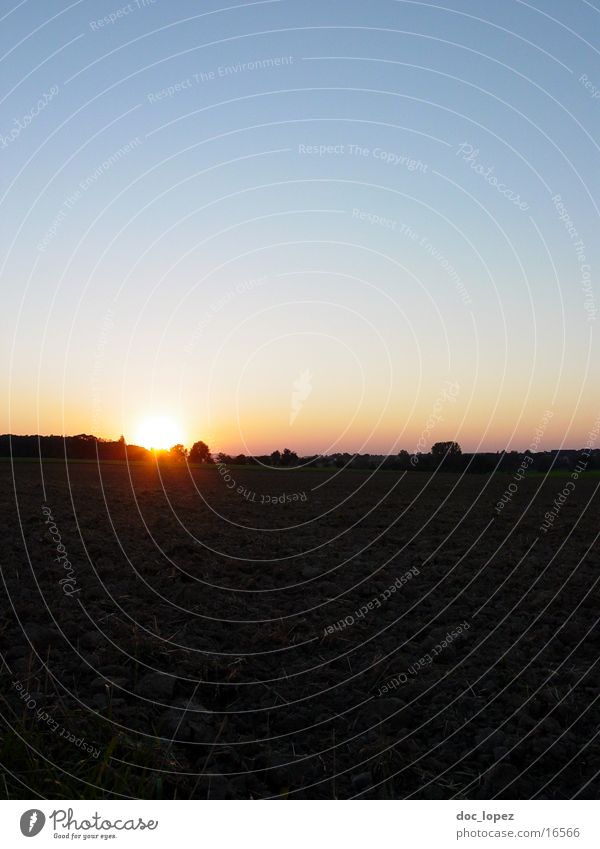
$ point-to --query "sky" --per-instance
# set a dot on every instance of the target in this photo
(331, 226)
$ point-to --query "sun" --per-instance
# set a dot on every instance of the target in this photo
(158, 432)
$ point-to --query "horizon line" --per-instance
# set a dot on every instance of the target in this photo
(105, 440)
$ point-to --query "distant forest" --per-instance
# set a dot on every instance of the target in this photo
(443, 455)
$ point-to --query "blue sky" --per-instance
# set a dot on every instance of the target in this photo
(212, 202)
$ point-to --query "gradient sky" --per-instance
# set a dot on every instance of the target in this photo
(188, 254)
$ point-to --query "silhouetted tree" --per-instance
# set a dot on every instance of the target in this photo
(288, 458)
(137, 453)
(177, 453)
(544, 461)
(440, 449)
(480, 464)
(312, 460)
(403, 460)
(275, 458)
(200, 453)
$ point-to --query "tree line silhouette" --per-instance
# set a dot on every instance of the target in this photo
(446, 456)
(84, 446)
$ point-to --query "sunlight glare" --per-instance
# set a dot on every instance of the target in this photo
(158, 432)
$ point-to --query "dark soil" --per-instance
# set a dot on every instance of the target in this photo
(192, 645)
